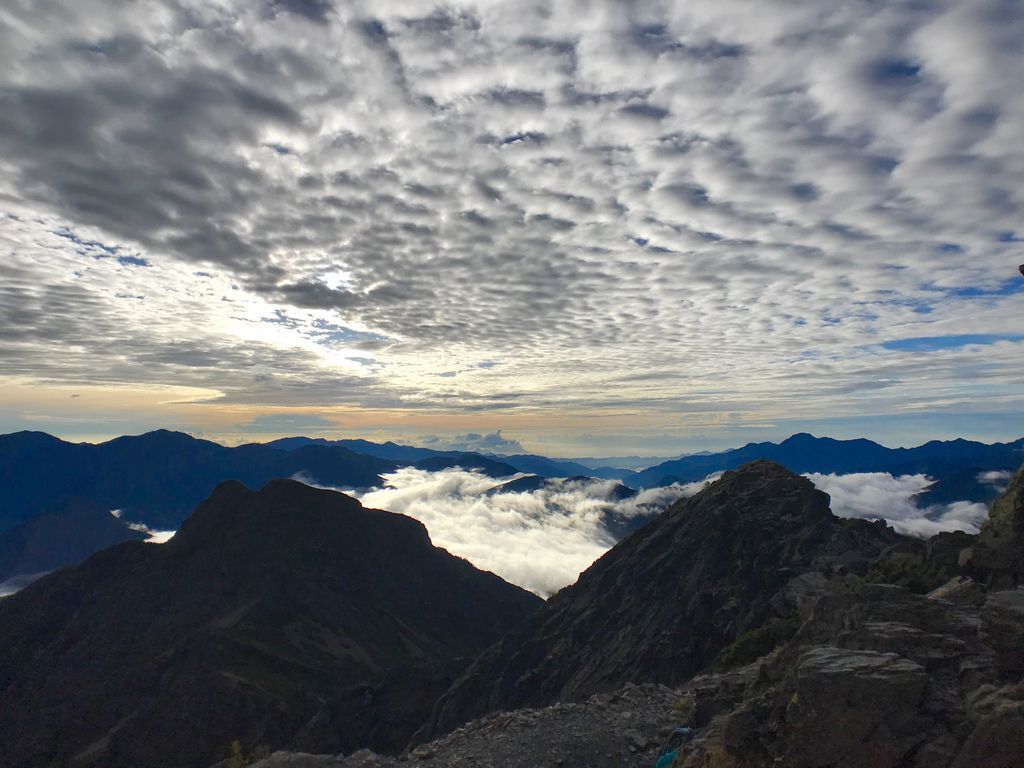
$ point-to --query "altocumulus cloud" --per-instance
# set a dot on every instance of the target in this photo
(677, 207)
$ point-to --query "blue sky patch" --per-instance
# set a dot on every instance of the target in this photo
(938, 343)
(132, 261)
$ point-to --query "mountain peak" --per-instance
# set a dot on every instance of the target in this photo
(288, 512)
(800, 437)
(710, 568)
(285, 615)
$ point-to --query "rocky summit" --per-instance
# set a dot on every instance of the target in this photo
(719, 574)
(814, 642)
(286, 617)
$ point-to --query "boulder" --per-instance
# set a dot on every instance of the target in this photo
(1002, 628)
(998, 735)
(281, 759)
(854, 709)
(960, 590)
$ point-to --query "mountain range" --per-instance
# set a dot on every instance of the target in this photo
(806, 453)
(158, 478)
(407, 454)
(292, 617)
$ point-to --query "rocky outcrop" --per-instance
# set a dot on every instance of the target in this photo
(286, 617)
(876, 677)
(962, 590)
(997, 557)
(734, 564)
(1002, 628)
(875, 696)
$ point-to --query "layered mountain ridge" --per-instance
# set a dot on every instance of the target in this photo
(68, 534)
(157, 478)
(806, 453)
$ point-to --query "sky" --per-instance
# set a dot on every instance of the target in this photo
(598, 227)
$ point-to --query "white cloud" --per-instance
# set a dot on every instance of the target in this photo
(153, 536)
(493, 442)
(540, 540)
(692, 213)
(998, 479)
(879, 495)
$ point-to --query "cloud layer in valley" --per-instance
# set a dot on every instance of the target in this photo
(540, 539)
(879, 495)
(682, 216)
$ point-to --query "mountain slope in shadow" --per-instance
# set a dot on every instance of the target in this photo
(288, 616)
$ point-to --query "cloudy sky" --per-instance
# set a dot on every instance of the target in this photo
(603, 227)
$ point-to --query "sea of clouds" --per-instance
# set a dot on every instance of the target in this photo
(543, 539)
(540, 540)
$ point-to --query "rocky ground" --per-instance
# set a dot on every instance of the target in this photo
(624, 729)
(877, 676)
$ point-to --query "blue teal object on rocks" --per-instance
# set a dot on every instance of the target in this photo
(666, 760)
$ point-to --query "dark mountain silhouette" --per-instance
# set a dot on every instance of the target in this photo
(157, 478)
(666, 601)
(964, 485)
(524, 484)
(632, 463)
(407, 454)
(806, 453)
(530, 483)
(482, 464)
(997, 558)
(64, 536)
(288, 616)
(617, 524)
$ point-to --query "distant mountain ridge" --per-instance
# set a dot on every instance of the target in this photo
(157, 478)
(806, 453)
(407, 454)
